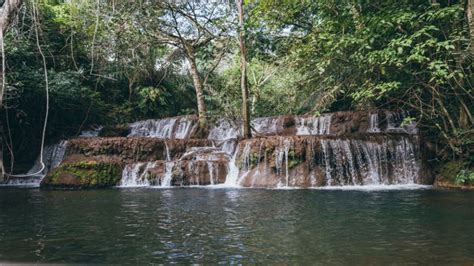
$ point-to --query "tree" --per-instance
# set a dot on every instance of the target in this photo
(243, 71)
(189, 27)
(7, 11)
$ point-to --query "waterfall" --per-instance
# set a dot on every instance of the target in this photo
(233, 170)
(166, 128)
(267, 125)
(183, 128)
(357, 162)
(313, 125)
(210, 167)
(281, 155)
(52, 157)
(162, 128)
(168, 156)
(374, 123)
(287, 151)
(136, 175)
(326, 161)
(225, 129)
(167, 178)
(91, 133)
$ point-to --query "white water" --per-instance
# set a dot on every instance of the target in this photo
(267, 125)
(313, 125)
(225, 129)
(281, 156)
(166, 128)
(91, 133)
(374, 123)
(52, 157)
(167, 178)
(135, 175)
(346, 162)
(233, 171)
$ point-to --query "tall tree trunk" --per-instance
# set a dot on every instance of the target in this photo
(197, 86)
(7, 10)
(470, 23)
(243, 72)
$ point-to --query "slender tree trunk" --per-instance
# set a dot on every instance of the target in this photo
(470, 23)
(7, 10)
(197, 86)
(243, 72)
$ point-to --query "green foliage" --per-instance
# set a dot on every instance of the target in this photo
(464, 176)
(115, 62)
(390, 54)
(150, 100)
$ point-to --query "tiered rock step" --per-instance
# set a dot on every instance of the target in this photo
(314, 161)
(344, 148)
(103, 161)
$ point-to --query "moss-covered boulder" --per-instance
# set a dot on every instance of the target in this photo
(84, 174)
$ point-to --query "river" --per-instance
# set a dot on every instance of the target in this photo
(228, 225)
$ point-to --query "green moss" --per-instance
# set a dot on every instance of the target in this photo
(450, 170)
(85, 174)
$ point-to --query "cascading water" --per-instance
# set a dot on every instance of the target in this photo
(167, 178)
(356, 162)
(329, 162)
(233, 170)
(162, 128)
(166, 128)
(91, 133)
(313, 125)
(52, 157)
(286, 151)
(281, 160)
(225, 129)
(267, 125)
(374, 123)
(183, 128)
(135, 175)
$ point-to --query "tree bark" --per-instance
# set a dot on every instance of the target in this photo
(243, 72)
(470, 23)
(197, 86)
(9, 8)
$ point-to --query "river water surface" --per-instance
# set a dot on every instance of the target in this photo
(201, 225)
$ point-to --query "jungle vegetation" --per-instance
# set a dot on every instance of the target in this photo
(111, 61)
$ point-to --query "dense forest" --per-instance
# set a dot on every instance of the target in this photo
(110, 62)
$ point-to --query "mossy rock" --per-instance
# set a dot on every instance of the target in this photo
(449, 170)
(84, 174)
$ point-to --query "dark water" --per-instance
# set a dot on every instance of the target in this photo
(231, 225)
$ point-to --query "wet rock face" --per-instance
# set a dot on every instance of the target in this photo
(133, 149)
(188, 173)
(308, 161)
(114, 131)
(177, 173)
